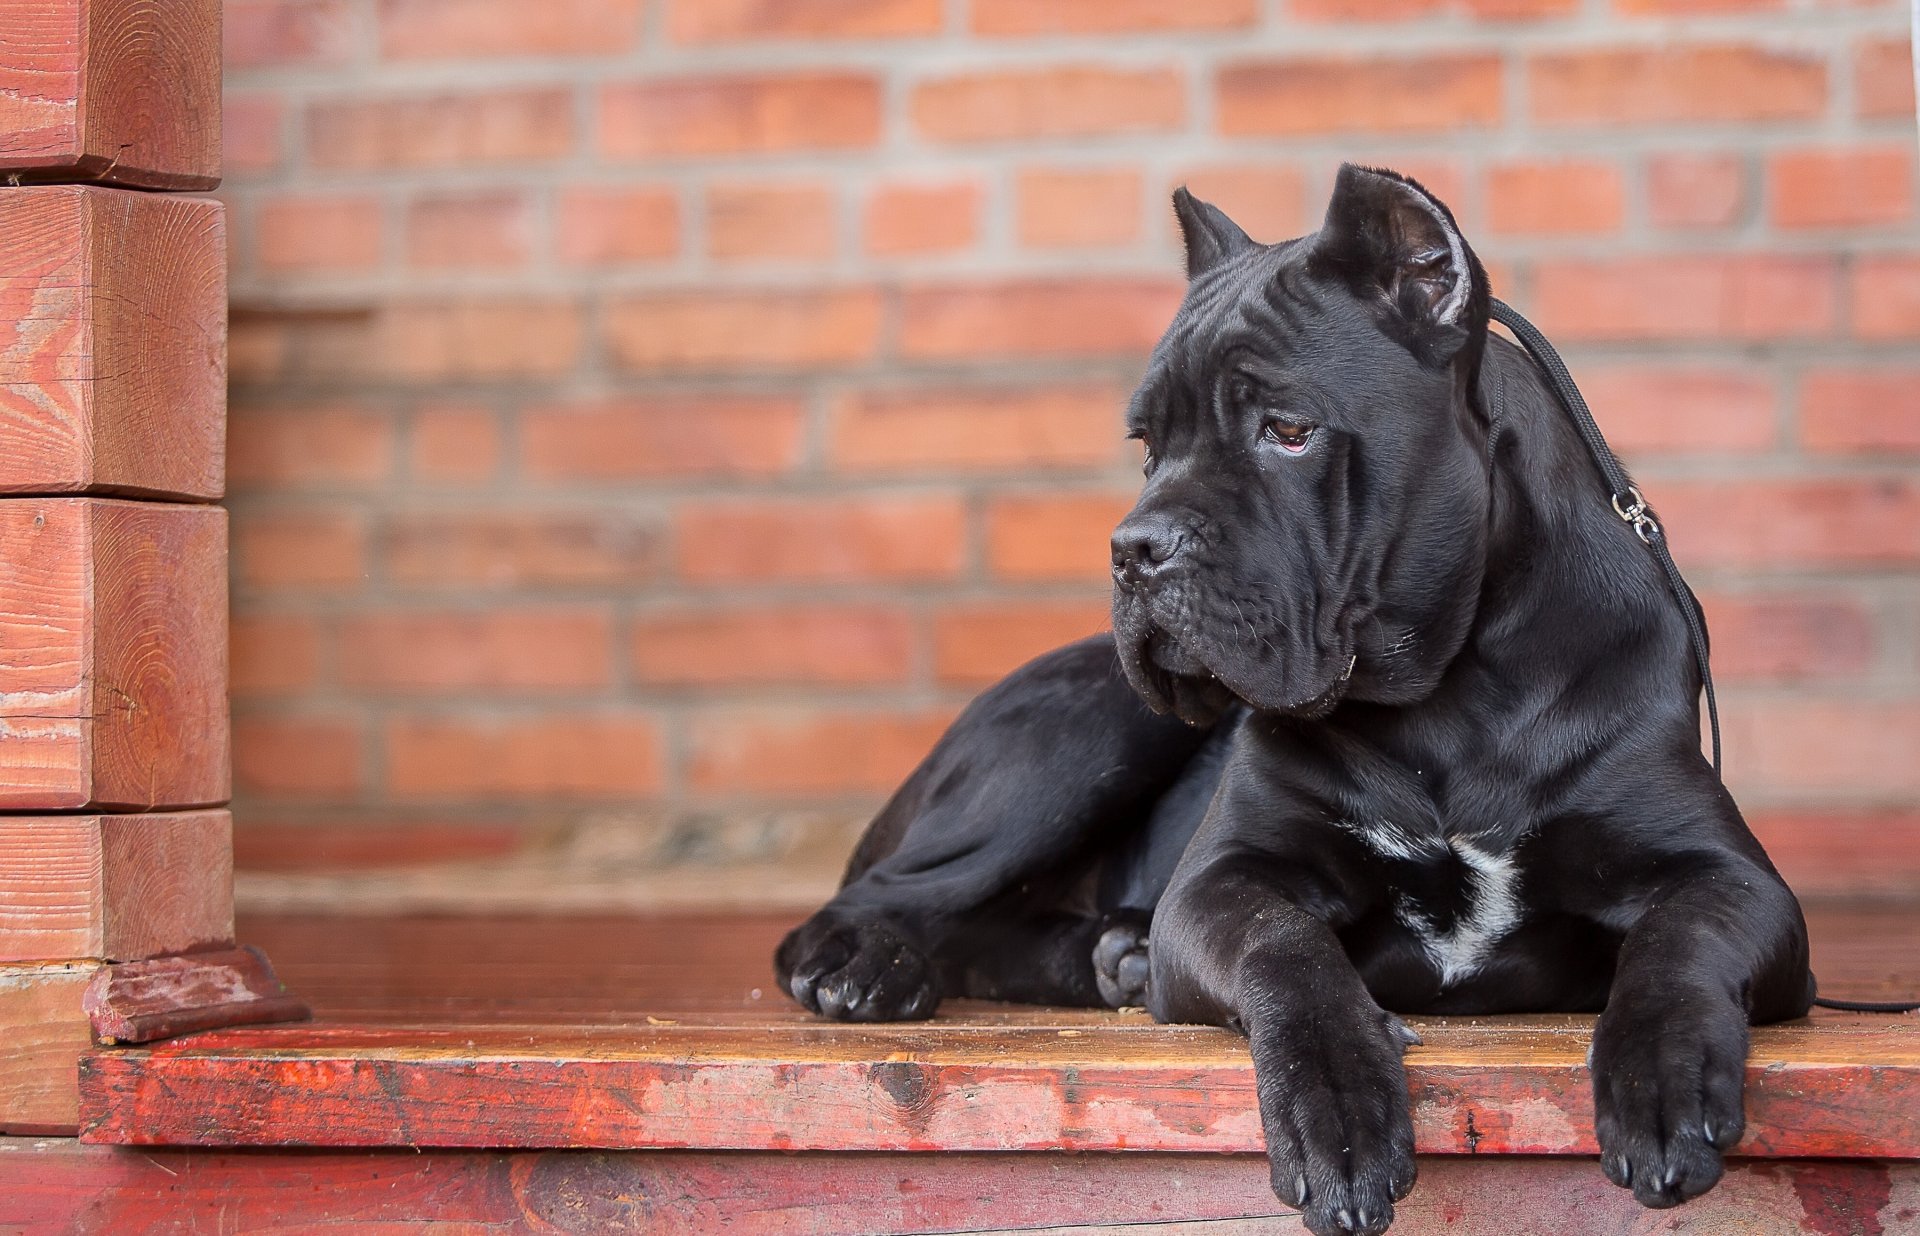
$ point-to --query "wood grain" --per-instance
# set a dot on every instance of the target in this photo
(667, 1032)
(112, 342)
(120, 91)
(63, 1186)
(140, 1001)
(113, 655)
(114, 887)
(44, 1031)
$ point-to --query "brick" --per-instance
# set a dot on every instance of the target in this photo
(468, 231)
(1787, 637)
(596, 226)
(377, 844)
(809, 752)
(278, 33)
(1346, 94)
(499, 550)
(329, 446)
(1731, 296)
(319, 233)
(1111, 16)
(1670, 408)
(502, 127)
(1363, 10)
(1861, 410)
(1555, 198)
(1683, 8)
(498, 651)
(1077, 207)
(298, 757)
(1883, 78)
(470, 29)
(1858, 187)
(539, 757)
(944, 429)
(743, 114)
(1883, 294)
(979, 644)
(1842, 853)
(695, 331)
(1061, 317)
(453, 445)
(1268, 200)
(637, 438)
(791, 645)
(1784, 524)
(726, 21)
(1696, 190)
(770, 221)
(1847, 748)
(273, 654)
(1054, 537)
(820, 541)
(251, 126)
(478, 338)
(1716, 83)
(1067, 101)
(300, 551)
(906, 219)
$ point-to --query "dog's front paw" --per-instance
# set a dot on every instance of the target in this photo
(856, 971)
(1667, 1090)
(1121, 962)
(1333, 1100)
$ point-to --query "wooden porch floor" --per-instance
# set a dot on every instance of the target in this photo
(627, 1032)
(667, 1033)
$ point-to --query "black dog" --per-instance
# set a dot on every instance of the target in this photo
(1434, 742)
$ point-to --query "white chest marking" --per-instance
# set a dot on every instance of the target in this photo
(1492, 897)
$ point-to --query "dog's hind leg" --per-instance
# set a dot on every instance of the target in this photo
(1055, 761)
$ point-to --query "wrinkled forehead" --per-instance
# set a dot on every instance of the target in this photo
(1259, 305)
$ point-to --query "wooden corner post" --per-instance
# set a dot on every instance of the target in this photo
(116, 852)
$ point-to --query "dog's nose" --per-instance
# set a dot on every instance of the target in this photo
(1143, 545)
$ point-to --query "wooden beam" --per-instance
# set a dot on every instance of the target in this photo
(1831, 1087)
(67, 1187)
(113, 655)
(112, 341)
(119, 91)
(44, 1030)
(114, 887)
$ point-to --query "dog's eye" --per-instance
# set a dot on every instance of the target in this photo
(1289, 436)
(1149, 458)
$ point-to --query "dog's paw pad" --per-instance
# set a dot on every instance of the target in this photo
(1121, 963)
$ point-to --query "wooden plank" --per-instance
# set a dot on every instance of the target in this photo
(121, 91)
(114, 887)
(1835, 1087)
(140, 1001)
(112, 342)
(113, 655)
(45, 1032)
(63, 1186)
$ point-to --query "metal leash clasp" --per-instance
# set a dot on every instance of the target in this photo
(1632, 507)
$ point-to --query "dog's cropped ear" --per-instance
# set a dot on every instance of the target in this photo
(1210, 237)
(1396, 245)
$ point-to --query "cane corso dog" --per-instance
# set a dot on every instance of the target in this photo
(1397, 716)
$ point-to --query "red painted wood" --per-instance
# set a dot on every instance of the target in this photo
(67, 1187)
(667, 1032)
(140, 1001)
(126, 91)
(1841, 1086)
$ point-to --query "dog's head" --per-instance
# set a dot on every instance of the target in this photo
(1314, 516)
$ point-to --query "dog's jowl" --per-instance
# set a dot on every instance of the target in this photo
(1397, 717)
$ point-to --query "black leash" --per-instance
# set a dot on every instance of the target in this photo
(1630, 506)
(1627, 501)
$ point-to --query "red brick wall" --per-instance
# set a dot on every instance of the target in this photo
(654, 418)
